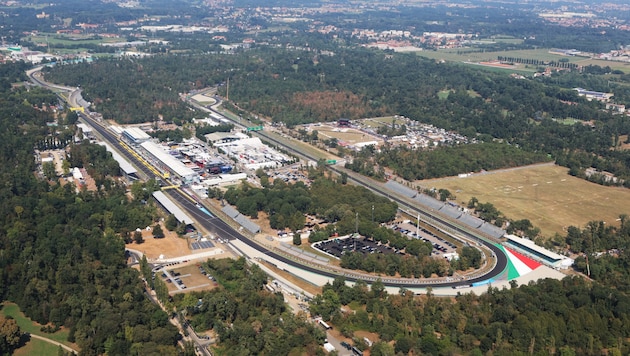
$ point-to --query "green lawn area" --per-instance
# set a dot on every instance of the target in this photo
(57, 39)
(480, 55)
(27, 325)
(37, 347)
(568, 121)
(443, 94)
(623, 66)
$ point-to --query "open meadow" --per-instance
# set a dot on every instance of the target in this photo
(545, 194)
(472, 56)
(35, 346)
(346, 135)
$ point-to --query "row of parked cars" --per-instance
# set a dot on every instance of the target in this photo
(441, 246)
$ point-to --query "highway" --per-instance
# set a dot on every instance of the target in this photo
(220, 228)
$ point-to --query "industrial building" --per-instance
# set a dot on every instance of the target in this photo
(254, 154)
(590, 95)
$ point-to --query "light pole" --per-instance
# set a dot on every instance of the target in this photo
(372, 212)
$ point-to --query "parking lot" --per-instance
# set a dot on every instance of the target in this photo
(180, 279)
(340, 246)
(440, 245)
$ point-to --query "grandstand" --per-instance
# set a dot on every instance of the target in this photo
(452, 212)
(241, 219)
(169, 163)
(168, 204)
(529, 248)
(135, 135)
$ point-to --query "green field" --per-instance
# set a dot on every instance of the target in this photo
(545, 194)
(53, 40)
(37, 347)
(27, 325)
(452, 55)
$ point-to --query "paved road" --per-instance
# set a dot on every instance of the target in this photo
(50, 341)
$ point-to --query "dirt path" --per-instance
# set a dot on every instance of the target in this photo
(50, 341)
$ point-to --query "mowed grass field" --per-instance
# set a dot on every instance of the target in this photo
(545, 194)
(348, 135)
(37, 347)
(452, 55)
(29, 326)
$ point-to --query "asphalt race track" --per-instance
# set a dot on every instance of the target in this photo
(221, 228)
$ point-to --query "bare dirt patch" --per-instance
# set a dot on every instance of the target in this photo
(545, 194)
(170, 246)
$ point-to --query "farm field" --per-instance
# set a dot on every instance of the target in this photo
(545, 194)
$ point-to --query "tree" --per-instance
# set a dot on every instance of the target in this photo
(157, 231)
(382, 349)
(137, 237)
(297, 240)
(49, 170)
(344, 178)
(171, 222)
(10, 334)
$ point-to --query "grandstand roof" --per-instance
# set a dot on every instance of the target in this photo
(171, 162)
(532, 246)
(492, 230)
(168, 204)
(241, 219)
(122, 162)
(400, 189)
(136, 134)
(230, 211)
(429, 201)
(471, 221)
(451, 211)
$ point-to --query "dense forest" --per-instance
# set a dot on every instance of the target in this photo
(446, 161)
(568, 317)
(62, 252)
(574, 316)
(246, 317)
(335, 202)
(295, 87)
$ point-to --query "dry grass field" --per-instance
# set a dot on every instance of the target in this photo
(347, 135)
(545, 194)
